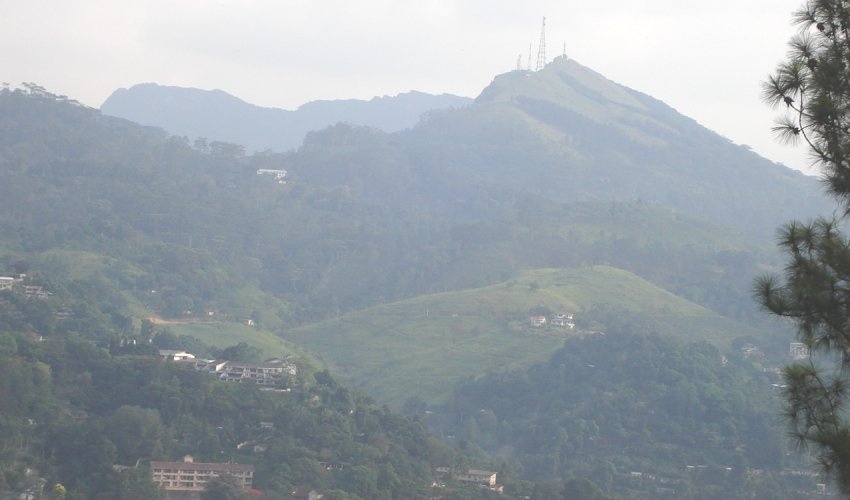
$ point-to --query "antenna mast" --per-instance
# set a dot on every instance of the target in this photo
(529, 56)
(541, 49)
(519, 62)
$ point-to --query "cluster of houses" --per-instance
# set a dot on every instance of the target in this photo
(272, 373)
(187, 479)
(797, 351)
(560, 320)
(279, 175)
(16, 282)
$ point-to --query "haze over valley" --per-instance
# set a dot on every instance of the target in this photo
(543, 291)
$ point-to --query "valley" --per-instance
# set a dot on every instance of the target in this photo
(405, 273)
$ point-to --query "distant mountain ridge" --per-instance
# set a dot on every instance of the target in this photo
(219, 116)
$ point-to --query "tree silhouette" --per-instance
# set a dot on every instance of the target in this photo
(813, 87)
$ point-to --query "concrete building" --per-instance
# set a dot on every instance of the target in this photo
(191, 476)
(482, 477)
(271, 373)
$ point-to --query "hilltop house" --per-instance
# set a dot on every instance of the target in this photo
(30, 291)
(563, 320)
(190, 476)
(279, 175)
(35, 291)
(173, 355)
(6, 282)
(538, 321)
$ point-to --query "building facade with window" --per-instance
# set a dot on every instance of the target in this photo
(191, 476)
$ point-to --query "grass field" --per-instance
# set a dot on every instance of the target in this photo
(223, 334)
(424, 345)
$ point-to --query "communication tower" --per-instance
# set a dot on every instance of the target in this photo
(519, 62)
(541, 49)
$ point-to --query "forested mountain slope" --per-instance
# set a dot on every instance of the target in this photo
(565, 132)
(570, 134)
(362, 220)
(643, 416)
(89, 419)
(508, 208)
(359, 222)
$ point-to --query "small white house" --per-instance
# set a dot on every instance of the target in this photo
(173, 355)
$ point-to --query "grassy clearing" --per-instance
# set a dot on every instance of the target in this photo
(224, 334)
(424, 345)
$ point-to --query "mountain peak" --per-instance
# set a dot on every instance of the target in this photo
(553, 98)
(563, 81)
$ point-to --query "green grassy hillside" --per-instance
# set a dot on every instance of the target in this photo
(221, 334)
(421, 347)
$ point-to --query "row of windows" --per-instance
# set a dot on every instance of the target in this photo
(188, 484)
(172, 472)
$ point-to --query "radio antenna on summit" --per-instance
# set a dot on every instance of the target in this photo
(541, 49)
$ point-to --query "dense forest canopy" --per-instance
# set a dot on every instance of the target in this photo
(682, 414)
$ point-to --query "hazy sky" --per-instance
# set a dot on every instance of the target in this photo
(706, 59)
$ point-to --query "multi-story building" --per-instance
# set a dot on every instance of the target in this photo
(270, 374)
(482, 477)
(191, 476)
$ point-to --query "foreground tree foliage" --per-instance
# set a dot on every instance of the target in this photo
(813, 85)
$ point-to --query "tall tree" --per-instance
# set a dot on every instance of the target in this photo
(813, 86)
(223, 487)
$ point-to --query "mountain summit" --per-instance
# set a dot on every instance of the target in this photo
(568, 133)
(575, 88)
